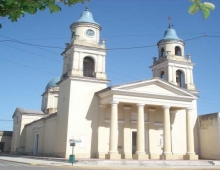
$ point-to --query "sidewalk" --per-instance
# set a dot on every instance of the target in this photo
(111, 164)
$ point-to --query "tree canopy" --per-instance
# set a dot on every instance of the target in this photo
(14, 9)
(204, 7)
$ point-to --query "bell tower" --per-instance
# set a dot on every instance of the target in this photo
(85, 56)
(83, 75)
(171, 63)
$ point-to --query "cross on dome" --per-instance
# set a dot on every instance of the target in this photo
(87, 4)
(169, 19)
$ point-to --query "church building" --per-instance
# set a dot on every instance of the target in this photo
(147, 119)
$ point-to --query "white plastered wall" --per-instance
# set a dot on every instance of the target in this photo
(209, 136)
(46, 129)
(78, 117)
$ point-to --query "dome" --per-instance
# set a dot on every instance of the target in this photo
(170, 34)
(86, 16)
(53, 82)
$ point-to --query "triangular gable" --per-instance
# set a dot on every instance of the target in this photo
(154, 86)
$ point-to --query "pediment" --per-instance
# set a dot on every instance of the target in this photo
(154, 86)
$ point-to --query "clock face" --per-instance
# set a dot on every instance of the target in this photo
(90, 32)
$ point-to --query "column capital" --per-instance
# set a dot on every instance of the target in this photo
(114, 102)
(189, 108)
(166, 107)
(140, 104)
(173, 111)
(102, 106)
(127, 107)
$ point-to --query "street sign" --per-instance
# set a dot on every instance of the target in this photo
(75, 141)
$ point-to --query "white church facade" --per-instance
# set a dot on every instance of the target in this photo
(147, 119)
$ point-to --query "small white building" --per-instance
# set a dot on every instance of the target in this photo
(148, 119)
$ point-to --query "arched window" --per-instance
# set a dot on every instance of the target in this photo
(88, 67)
(73, 34)
(162, 52)
(178, 51)
(162, 75)
(180, 78)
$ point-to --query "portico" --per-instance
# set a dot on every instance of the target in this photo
(145, 113)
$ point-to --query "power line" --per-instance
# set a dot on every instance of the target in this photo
(14, 40)
(27, 66)
(205, 35)
(129, 48)
(31, 52)
(119, 48)
(5, 120)
(128, 35)
(35, 45)
(214, 36)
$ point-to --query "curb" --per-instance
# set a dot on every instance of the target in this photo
(15, 161)
(114, 164)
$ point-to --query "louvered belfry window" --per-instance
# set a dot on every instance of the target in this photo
(180, 78)
(88, 67)
(178, 51)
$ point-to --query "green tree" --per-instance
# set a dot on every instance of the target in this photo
(14, 9)
(204, 7)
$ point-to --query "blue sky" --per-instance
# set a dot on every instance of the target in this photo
(25, 69)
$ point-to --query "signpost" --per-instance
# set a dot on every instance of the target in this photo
(73, 143)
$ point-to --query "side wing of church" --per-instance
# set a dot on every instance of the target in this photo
(148, 119)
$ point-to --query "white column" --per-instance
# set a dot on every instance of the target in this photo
(189, 132)
(99, 64)
(174, 74)
(127, 133)
(140, 130)
(188, 81)
(191, 76)
(170, 74)
(190, 153)
(80, 65)
(166, 130)
(113, 139)
(153, 154)
(75, 62)
(114, 128)
(101, 131)
(103, 64)
(140, 152)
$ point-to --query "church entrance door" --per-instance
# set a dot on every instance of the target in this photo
(2, 144)
(134, 141)
(36, 144)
